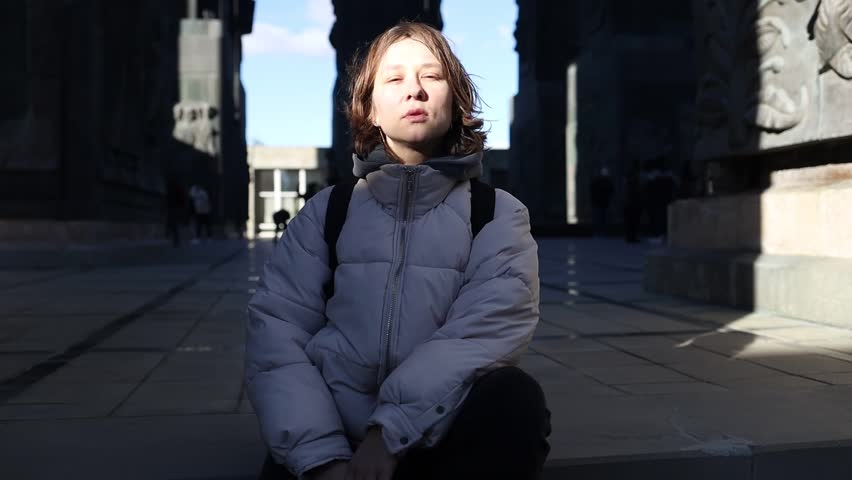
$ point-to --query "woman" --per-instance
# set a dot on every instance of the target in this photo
(406, 371)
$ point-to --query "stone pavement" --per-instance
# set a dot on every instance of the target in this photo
(132, 369)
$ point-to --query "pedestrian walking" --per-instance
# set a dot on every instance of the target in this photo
(633, 205)
(383, 339)
(660, 189)
(280, 219)
(201, 211)
(601, 190)
(175, 210)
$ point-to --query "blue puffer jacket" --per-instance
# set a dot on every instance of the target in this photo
(419, 312)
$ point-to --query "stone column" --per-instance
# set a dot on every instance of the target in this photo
(546, 34)
(598, 81)
(209, 117)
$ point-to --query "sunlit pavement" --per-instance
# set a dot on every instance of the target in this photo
(132, 369)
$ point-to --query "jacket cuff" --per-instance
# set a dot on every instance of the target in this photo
(398, 432)
(317, 453)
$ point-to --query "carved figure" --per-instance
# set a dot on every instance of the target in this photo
(832, 31)
(206, 139)
(183, 129)
(745, 54)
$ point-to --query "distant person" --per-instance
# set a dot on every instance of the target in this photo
(200, 211)
(601, 191)
(660, 190)
(280, 219)
(391, 351)
(175, 208)
(632, 205)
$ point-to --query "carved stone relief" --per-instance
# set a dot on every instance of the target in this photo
(832, 31)
(196, 124)
(750, 85)
(772, 73)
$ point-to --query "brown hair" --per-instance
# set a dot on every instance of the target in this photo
(465, 136)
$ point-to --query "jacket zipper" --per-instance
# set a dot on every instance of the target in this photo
(409, 190)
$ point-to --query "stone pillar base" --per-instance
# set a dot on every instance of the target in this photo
(806, 211)
(786, 250)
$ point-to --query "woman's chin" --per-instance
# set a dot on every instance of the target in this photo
(420, 141)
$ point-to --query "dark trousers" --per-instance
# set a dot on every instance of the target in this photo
(601, 220)
(658, 217)
(632, 222)
(500, 433)
(202, 222)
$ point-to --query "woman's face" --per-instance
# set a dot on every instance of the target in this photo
(411, 100)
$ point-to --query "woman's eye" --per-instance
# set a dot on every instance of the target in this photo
(394, 79)
(432, 76)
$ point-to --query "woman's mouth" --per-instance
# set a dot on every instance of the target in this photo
(416, 115)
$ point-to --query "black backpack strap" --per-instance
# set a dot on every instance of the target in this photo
(335, 216)
(482, 198)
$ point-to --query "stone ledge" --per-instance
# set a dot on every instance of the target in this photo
(816, 460)
(809, 288)
(812, 176)
(805, 212)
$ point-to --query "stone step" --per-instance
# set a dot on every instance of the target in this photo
(809, 288)
(828, 460)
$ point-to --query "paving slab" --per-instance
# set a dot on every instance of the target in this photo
(600, 359)
(187, 365)
(64, 400)
(185, 397)
(52, 332)
(674, 355)
(669, 388)
(106, 367)
(805, 364)
(567, 343)
(163, 336)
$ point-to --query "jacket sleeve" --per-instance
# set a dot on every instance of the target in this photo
(299, 421)
(489, 325)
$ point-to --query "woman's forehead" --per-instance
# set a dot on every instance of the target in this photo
(398, 66)
(407, 52)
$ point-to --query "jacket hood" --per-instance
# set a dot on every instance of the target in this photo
(457, 167)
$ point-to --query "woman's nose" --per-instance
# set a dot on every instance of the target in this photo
(415, 90)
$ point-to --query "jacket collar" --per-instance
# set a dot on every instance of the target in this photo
(432, 180)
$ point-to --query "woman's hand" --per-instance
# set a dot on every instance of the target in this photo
(372, 461)
(331, 471)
